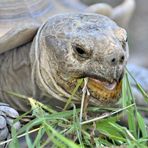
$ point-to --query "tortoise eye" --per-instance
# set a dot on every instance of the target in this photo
(80, 51)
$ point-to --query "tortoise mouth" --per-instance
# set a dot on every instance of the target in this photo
(104, 91)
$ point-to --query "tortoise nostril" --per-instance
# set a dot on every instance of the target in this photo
(122, 59)
(113, 60)
(119, 60)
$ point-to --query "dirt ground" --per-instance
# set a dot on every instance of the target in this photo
(137, 31)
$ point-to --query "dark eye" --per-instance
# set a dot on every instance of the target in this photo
(80, 51)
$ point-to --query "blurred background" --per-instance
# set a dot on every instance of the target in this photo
(137, 30)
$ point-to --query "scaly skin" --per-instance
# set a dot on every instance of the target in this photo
(103, 58)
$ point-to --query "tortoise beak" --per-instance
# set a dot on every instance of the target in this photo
(104, 91)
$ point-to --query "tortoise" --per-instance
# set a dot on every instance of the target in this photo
(44, 61)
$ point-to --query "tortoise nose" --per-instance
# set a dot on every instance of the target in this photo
(117, 59)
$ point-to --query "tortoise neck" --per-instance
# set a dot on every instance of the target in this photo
(15, 76)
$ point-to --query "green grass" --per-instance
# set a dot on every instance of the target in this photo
(64, 129)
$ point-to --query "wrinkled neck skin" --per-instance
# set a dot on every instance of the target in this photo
(21, 74)
(46, 74)
(15, 77)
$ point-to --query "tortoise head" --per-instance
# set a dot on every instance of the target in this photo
(85, 45)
